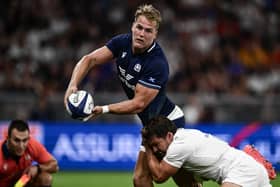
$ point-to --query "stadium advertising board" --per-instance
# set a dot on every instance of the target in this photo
(94, 146)
(98, 146)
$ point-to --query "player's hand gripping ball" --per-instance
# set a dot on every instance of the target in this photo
(80, 104)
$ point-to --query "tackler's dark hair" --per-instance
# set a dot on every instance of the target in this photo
(158, 126)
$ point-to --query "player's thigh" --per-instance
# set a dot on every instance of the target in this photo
(184, 178)
(141, 169)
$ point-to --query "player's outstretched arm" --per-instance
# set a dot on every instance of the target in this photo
(50, 167)
(97, 57)
(143, 97)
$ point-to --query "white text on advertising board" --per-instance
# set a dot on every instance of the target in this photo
(96, 147)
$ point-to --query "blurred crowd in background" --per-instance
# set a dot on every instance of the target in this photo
(216, 49)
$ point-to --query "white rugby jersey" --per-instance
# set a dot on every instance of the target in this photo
(198, 152)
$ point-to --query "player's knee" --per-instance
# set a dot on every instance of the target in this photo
(141, 179)
(45, 179)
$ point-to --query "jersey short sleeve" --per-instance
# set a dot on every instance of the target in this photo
(178, 152)
(118, 43)
(39, 152)
(155, 73)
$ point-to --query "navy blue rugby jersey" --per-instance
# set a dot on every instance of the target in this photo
(149, 69)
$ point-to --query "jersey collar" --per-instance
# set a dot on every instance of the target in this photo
(147, 50)
(152, 47)
(5, 149)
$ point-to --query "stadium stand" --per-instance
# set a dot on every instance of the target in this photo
(224, 55)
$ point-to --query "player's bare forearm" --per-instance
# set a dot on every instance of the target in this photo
(143, 97)
(160, 169)
(50, 167)
(97, 57)
(155, 167)
(80, 70)
(127, 107)
(124, 107)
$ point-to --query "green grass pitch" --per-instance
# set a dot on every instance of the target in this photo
(113, 179)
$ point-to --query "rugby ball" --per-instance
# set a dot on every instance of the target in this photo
(80, 104)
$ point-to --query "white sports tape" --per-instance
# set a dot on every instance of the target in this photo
(105, 109)
(142, 148)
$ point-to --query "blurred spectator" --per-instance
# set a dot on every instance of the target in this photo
(42, 110)
(193, 110)
(252, 54)
(214, 47)
(197, 112)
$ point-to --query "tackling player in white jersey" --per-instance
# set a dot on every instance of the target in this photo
(206, 156)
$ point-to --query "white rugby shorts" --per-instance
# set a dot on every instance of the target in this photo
(245, 171)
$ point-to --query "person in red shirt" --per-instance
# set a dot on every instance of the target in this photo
(19, 152)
